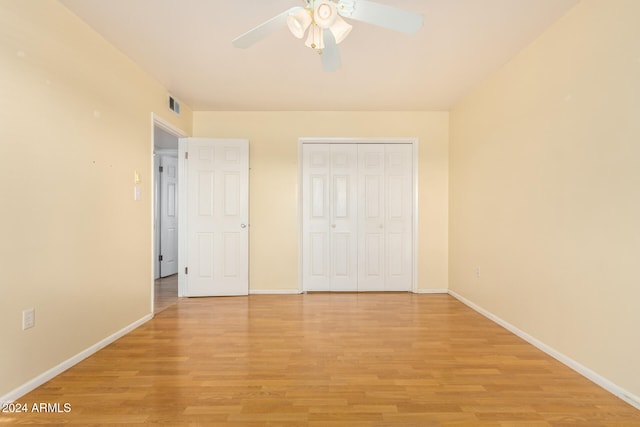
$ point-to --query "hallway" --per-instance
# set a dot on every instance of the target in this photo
(165, 292)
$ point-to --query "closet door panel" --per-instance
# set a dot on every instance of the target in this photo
(399, 217)
(316, 220)
(344, 217)
(371, 217)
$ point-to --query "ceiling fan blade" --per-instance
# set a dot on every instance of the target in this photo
(263, 30)
(381, 15)
(330, 54)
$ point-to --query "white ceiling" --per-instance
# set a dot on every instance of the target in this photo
(186, 45)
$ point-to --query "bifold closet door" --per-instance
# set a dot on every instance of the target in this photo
(357, 217)
(330, 251)
(385, 217)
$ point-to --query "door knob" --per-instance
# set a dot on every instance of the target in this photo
(243, 225)
(333, 226)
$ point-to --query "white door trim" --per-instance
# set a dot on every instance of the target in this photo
(158, 121)
(360, 140)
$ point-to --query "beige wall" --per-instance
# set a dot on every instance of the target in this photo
(75, 123)
(274, 181)
(544, 190)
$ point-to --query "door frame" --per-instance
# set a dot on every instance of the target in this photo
(157, 121)
(377, 140)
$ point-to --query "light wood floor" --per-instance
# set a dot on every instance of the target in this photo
(165, 292)
(325, 360)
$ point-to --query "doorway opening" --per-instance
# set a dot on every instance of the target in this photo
(165, 214)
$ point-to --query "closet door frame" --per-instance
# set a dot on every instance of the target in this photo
(414, 144)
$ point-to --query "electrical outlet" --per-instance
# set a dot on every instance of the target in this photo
(28, 318)
(478, 272)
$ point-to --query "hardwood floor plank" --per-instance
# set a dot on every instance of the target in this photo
(324, 360)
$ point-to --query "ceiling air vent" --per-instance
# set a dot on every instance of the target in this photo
(174, 105)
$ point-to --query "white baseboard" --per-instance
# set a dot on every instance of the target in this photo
(431, 291)
(57, 370)
(274, 292)
(611, 387)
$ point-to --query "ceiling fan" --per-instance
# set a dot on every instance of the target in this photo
(326, 28)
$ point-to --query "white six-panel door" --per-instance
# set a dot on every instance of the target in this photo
(217, 217)
(357, 217)
(169, 216)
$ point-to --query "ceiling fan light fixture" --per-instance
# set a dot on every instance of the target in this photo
(324, 13)
(322, 22)
(315, 38)
(299, 22)
(340, 29)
